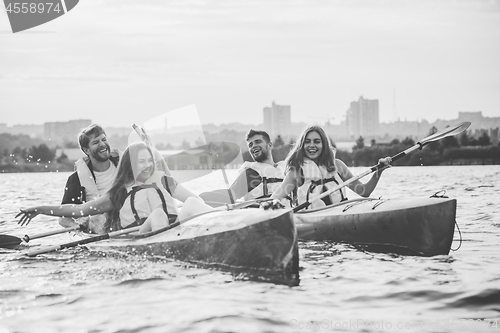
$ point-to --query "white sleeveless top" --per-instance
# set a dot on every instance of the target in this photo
(146, 200)
(316, 181)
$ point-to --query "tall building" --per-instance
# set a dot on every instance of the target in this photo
(64, 131)
(277, 120)
(473, 116)
(363, 118)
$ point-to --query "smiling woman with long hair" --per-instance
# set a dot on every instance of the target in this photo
(141, 195)
(129, 193)
(311, 169)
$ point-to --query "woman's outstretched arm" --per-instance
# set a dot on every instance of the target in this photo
(94, 207)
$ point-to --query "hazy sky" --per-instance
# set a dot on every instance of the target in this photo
(120, 62)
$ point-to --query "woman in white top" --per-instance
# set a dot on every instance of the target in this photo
(311, 169)
(140, 195)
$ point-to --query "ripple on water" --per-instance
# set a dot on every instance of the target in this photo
(54, 299)
(236, 323)
(138, 282)
(488, 299)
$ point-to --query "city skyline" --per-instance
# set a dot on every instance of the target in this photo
(166, 135)
(420, 59)
(173, 125)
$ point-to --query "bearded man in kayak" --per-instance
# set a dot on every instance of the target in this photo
(256, 179)
(93, 176)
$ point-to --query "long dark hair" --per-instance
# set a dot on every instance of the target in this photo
(125, 177)
(295, 158)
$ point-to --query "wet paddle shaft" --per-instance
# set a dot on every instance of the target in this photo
(8, 241)
(451, 131)
(109, 235)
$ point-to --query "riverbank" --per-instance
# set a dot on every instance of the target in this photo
(361, 157)
(68, 167)
(473, 161)
(429, 156)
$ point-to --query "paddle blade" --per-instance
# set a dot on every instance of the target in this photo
(214, 155)
(202, 160)
(142, 134)
(9, 242)
(216, 198)
(209, 157)
(451, 131)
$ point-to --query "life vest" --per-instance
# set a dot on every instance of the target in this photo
(316, 181)
(87, 177)
(87, 180)
(88, 191)
(142, 199)
(271, 178)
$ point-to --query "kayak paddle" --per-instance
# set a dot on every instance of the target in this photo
(451, 131)
(221, 152)
(83, 241)
(109, 235)
(219, 200)
(8, 241)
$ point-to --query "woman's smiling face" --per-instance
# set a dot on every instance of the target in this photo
(313, 145)
(145, 165)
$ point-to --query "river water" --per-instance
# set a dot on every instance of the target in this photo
(340, 289)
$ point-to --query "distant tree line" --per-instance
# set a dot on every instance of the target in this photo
(462, 149)
(22, 153)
